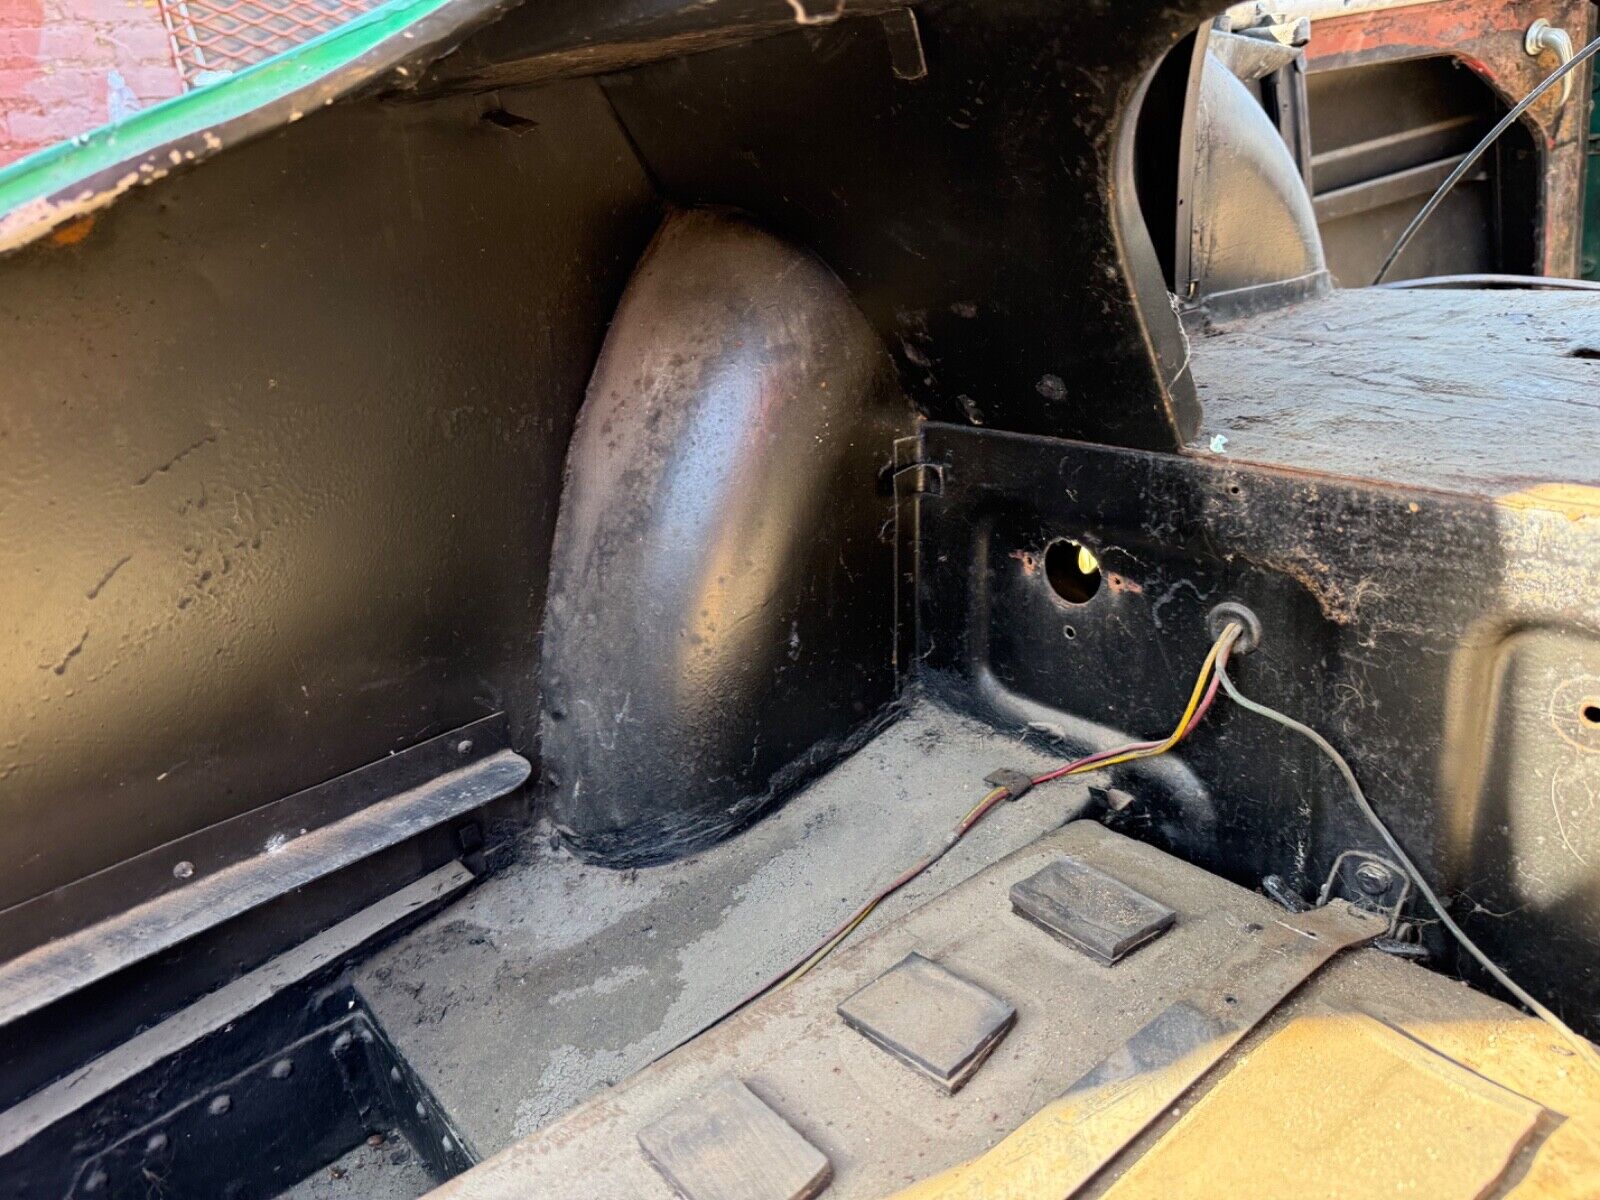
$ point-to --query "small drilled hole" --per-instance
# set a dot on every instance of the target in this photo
(1588, 352)
(1589, 714)
(1072, 570)
(1234, 489)
(1069, 632)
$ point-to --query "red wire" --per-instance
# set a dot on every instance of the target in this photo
(977, 814)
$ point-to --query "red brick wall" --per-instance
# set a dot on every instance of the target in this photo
(68, 66)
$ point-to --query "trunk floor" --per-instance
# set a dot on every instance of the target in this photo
(555, 979)
(1371, 1077)
(388, 1171)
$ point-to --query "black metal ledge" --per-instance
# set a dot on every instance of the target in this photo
(287, 855)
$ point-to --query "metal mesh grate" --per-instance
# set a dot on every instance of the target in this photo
(213, 38)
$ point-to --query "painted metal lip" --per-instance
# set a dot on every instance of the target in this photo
(59, 968)
(84, 174)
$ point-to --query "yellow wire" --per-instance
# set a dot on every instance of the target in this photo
(986, 800)
(1227, 638)
(832, 943)
(829, 947)
(1228, 635)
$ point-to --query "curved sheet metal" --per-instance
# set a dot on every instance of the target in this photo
(720, 619)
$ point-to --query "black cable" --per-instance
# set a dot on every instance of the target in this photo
(1471, 160)
(1585, 1050)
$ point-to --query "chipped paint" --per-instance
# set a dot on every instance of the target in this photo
(55, 187)
(73, 232)
(1121, 583)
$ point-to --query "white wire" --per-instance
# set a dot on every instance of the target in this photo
(1471, 160)
(1578, 1043)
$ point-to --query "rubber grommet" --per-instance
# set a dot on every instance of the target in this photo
(1229, 612)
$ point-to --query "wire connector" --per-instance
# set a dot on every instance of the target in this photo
(1016, 783)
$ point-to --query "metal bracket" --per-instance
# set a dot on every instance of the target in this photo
(919, 479)
(906, 55)
(910, 478)
(1369, 881)
(226, 871)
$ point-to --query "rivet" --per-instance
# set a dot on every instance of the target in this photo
(422, 1110)
(394, 1074)
(220, 1105)
(183, 870)
(341, 1043)
(156, 1143)
(282, 1069)
(464, 746)
(96, 1180)
(447, 1144)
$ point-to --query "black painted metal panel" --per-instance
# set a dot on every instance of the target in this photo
(721, 613)
(984, 217)
(1443, 643)
(280, 454)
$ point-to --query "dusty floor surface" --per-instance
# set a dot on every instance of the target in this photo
(388, 1171)
(556, 979)
(1477, 391)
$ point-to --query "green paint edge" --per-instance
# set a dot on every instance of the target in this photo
(57, 168)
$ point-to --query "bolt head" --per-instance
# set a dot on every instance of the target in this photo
(1374, 878)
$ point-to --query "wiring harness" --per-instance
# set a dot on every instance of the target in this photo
(1200, 699)
(1213, 675)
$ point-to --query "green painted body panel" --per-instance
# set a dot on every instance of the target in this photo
(57, 168)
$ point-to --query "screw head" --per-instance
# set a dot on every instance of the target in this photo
(1374, 878)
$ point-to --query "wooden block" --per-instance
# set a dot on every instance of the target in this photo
(725, 1144)
(1090, 910)
(931, 1019)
